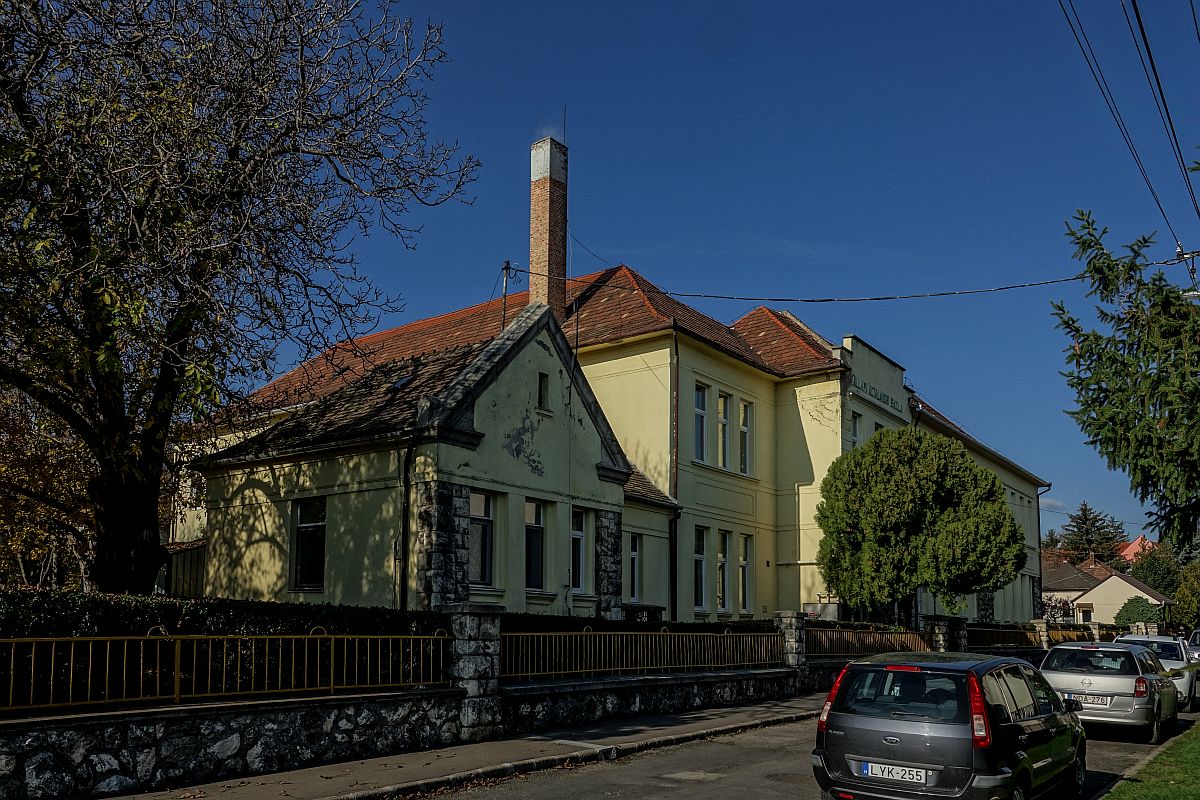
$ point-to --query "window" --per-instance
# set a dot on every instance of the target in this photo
(578, 552)
(535, 536)
(635, 571)
(723, 538)
(1024, 706)
(723, 430)
(543, 396)
(479, 563)
(1043, 693)
(745, 411)
(309, 546)
(699, 590)
(701, 422)
(878, 427)
(855, 422)
(744, 573)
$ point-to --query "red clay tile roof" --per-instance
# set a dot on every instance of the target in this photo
(639, 487)
(784, 342)
(606, 306)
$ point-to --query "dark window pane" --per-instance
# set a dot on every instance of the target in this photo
(534, 572)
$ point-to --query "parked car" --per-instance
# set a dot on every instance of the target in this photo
(1117, 683)
(920, 725)
(1194, 644)
(1172, 651)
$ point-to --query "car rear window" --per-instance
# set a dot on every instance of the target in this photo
(1168, 650)
(1111, 662)
(924, 696)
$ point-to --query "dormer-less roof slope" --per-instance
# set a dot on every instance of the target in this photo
(640, 487)
(1063, 576)
(427, 396)
(786, 343)
(606, 306)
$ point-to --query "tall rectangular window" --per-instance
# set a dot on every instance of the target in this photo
(535, 539)
(723, 538)
(635, 567)
(479, 561)
(543, 391)
(745, 418)
(723, 430)
(578, 551)
(744, 573)
(309, 541)
(701, 422)
(699, 569)
(855, 423)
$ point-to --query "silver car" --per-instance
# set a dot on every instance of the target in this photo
(1172, 651)
(1117, 684)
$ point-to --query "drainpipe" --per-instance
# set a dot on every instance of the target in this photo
(673, 527)
(673, 570)
(400, 590)
(1037, 598)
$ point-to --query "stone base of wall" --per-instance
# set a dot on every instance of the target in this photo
(539, 706)
(124, 752)
(818, 676)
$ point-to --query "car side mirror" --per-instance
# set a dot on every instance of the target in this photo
(1071, 704)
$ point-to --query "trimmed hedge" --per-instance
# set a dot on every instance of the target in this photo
(28, 612)
(855, 626)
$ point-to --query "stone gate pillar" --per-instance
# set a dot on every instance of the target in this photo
(475, 667)
(791, 625)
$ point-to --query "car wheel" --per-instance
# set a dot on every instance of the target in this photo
(1078, 776)
(1156, 730)
(1018, 792)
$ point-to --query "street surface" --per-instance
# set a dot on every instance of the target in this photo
(765, 763)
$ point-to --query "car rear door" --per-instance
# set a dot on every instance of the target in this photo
(881, 734)
(1036, 738)
(1057, 718)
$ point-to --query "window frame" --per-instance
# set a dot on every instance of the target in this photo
(700, 443)
(635, 567)
(855, 421)
(303, 530)
(700, 569)
(578, 572)
(724, 539)
(745, 438)
(723, 399)
(535, 531)
(543, 391)
(486, 524)
(744, 560)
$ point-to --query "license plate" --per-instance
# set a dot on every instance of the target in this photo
(1090, 699)
(907, 774)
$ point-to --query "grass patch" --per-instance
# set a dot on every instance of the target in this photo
(1172, 774)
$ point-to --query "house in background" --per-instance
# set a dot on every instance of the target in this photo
(733, 428)
(1131, 551)
(1095, 591)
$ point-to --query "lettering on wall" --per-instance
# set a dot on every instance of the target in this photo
(876, 394)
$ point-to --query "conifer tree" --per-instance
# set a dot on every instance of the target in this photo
(1088, 532)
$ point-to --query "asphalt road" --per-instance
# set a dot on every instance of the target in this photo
(766, 763)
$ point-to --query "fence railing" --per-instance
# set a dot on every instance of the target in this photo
(43, 673)
(839, 642)
(525, 656)
(984, 636)
(1058, 635)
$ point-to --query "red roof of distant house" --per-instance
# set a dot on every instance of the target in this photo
(606, 306)
(1131, 551)
(1096, 568)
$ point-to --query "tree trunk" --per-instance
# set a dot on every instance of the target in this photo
(129, 552)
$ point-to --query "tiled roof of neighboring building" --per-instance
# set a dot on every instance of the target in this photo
(385, 401)
(1131, 551)
(1063, 576)
(639, 487)
(606, 306)
(784, 342)
(1096, 568)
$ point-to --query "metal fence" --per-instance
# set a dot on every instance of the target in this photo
(987, 636)
(1059, 634)
(525, 656)
(47, 673)
(845, 642)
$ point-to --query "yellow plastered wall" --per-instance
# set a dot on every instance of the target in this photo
(651, 524)
(1107, 599)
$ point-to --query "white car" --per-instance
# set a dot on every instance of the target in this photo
(1174, 654)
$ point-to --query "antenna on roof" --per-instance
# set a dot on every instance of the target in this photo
(506, 269)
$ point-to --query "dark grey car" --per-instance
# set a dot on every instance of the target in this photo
(905, 726)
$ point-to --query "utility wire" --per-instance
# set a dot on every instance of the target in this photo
(1160, 100)
(1195, 21)
(600, 258)
(1093, 63)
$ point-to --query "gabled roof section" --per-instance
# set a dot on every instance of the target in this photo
(1139, 587)
(606, 306)
(640, 487)
(785, 343)
(1063, 576)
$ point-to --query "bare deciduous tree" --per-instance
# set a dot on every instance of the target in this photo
(180, 181)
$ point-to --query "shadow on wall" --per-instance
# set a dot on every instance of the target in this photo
(252, 534)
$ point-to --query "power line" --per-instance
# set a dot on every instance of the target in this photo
(1093, 63)
(1160, 100)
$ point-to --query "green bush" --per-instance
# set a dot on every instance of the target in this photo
(28, 612)
(854, 626)
(1138, 609)
(552, 623)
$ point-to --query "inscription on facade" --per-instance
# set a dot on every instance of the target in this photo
(876, 394)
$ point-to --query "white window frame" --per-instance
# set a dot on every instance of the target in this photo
(744, 560)
(578, 547)
(635, 567)
(700, 569)
(701, 420)
(855, 420)
(304, 531)
(724, 539)
(723, 429)
(537, 525)
(745, 439)
(486, 522)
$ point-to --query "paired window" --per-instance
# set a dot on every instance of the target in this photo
(578, 550)
(635, 567)
(723, 430)
(535, 539)
(701, 422)
(745, 414)
(744, 572)
(308, 540)
(723, 538)
(479, 564)
(699, 569)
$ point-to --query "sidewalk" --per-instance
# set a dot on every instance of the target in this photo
(410, 773)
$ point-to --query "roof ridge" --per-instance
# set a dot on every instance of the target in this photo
(637, 279)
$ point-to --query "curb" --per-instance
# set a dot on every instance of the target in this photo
(610, 753)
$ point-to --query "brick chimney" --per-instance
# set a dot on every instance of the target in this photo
(548, 225)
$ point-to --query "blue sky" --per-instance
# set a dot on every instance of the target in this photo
(814, 150)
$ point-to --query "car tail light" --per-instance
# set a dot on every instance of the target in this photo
(1141, 688)
(821, 720)
(903, 668)
(981, 730)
